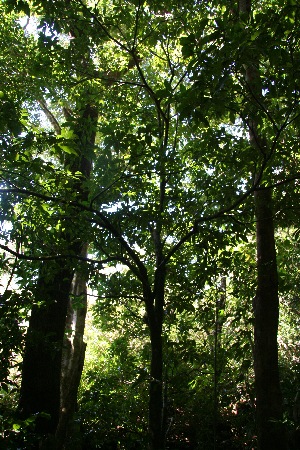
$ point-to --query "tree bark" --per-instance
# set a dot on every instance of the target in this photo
(270, 429)
(41, 369)
(72, 355)
(218, 364)
(155, 309)
(156, 390)
(42, 362)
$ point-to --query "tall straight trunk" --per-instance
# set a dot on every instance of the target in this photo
(270, 430)
(218, 363)
(42, 362)
(271, 433)
(74, 345)
(73, 354)
(154, 305)
(156, 402)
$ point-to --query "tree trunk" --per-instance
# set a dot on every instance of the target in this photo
(154, 306)
(40, 388)
(270, 429)
(271, 432)
(72, 355)
(74, 347)
(42, 363)
(156, 391)
(218, 364)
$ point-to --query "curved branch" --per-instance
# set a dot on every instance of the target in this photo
(101, 262)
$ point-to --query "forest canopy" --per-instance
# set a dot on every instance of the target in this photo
(149, 228)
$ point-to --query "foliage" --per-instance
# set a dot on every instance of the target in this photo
(112, 398)
(171, 189)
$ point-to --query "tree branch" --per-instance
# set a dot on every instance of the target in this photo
(50, 116)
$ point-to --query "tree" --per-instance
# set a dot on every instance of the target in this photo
(73, 149)
(271, 433)
(256, 103)
(160, 185)
(41, 373)
(172, 143)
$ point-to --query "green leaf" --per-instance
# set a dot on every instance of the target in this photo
(68, 149)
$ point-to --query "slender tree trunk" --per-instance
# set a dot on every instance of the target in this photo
(218, 364)
(271, 432)
(270, 429)
(72, 355)
(155, 305)
(156, 391)
(74, 346)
